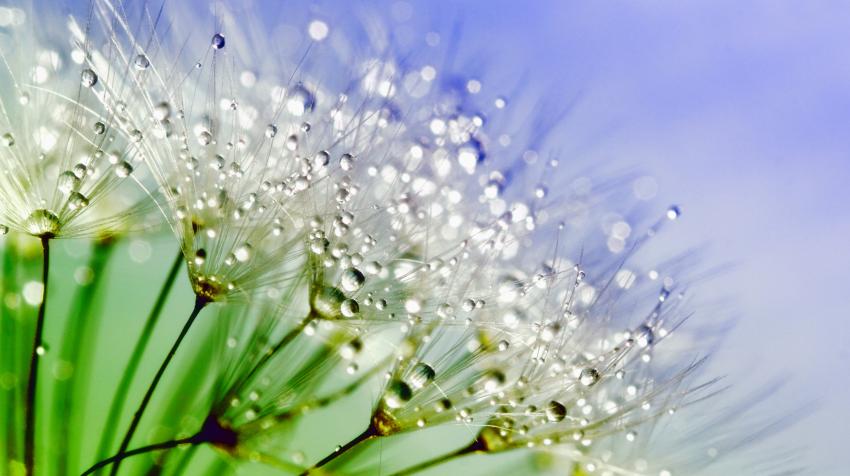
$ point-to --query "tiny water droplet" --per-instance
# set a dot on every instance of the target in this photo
(88, 78)
(588, 376)
(217, 41)
(673, 212)
(141, 62)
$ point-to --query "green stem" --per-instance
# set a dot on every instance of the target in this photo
(30, 421)
(120, 397)
(200, 303)
(80, 323)
(367, 434)
(192, 440)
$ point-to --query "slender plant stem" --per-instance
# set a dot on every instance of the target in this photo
(200, 303)
(120, 397)
(29, 425)
(367, 434)
(79, 324)
(192, 440)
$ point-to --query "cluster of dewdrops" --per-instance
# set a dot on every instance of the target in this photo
(383, 207)
(397, 199)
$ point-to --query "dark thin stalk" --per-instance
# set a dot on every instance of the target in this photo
(192, 440)
(29, 425)
(79, 323)
(120, 397)
(367, 434)
(200, 303)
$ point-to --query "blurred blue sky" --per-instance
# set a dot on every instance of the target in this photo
(742, 111)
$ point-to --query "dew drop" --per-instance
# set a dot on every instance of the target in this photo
(88, 78)
(588, 376)
(8, 139)
(349, 308)
(674, 212)
(42, 222)
(204, 138)
(162, 111)
(99, 128)
(352, 279)
(271, 131)
(398, 393)
(141, 62)
(242, 253)
(4, 229)
(422, 375)
(77, 201)
(555, 411)
(67, 182)
(200, 257)
(123, 169)
(217, 41)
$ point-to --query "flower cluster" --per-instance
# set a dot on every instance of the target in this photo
(377, 238)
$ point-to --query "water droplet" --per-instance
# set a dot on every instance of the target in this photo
(141, 62)
(204, 138)
(99, 128)
(398, 393)
(200, 257)
(492, 380)
(673, 212)
(352, 279)
(644, 336)
(421, 375)
(588, 376)
(349, 308)
(88, 78)
(8, 139)
(271, 131)
(555, 411)
(123, 169)
(162, 111)
(346, 162)
(350, 349)
(42, 222)
(217, 41)
(77, 201)
(68, 182)
(242, 253)
(4, 229)
(321, 159)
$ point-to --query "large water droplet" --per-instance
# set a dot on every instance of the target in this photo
(42, 222)
(352, 279)
(421, 375)
(349, 308)
(77, 201)
(398, 393)
(67, 182)
(555, 411)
